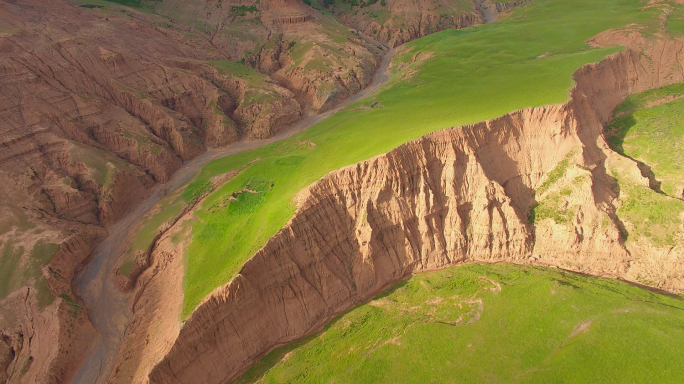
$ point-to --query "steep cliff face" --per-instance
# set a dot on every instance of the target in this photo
(396, 22)
(462, 194)
(97, 107)
(311, 54)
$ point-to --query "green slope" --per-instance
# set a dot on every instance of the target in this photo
(649, 128)
(543, 326)
(475, 74)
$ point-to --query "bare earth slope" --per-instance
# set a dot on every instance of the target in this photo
(136, 328)
(99, 105)
(458, 195)
(399, 21)
(309, 53)
(103, 102)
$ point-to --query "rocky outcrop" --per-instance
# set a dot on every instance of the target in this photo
(41, 344)
(457, 195)
(253, 120)
(412, 19)
(323, 90)
(414, 27)
(329, 65)
(292, 19)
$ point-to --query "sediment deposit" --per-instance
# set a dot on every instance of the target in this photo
(463, 194)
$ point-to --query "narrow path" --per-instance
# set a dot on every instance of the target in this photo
(106, 305)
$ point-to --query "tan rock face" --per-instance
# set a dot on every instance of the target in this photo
(457, 195)
(396, 22)
(97, 108)
(44, 344)
(314, 56)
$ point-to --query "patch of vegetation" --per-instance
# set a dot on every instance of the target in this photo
(543, 326)
(556, 173)
(650, 129)
(644, 100)
(128, 3)
(260, 91)
(170, 208)
(462, 83)
(649, 214)
(9, 264)
(653, 136)
(319, 63)
(551, 208)
(127, 267)
(101, 165)
(69, 301)
(675, 22)
(242, 10)
(240, 70)
(17, 269)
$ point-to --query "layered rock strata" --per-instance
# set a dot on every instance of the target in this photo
(396, 22)
(312, 54)
(458, 195)
(98, 107)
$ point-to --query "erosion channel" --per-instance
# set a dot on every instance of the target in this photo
(453, 196)
(106, 304)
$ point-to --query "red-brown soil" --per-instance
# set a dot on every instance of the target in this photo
(453, 196)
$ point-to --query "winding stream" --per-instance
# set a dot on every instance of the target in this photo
(106, 305)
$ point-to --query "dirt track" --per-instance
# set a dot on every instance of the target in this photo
(106, 305)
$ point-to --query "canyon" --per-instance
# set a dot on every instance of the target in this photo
(100, 107)
(108, 109)
(396, 22)
(106, 103)
(450, 197)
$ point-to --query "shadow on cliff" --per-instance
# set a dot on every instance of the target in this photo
(615, 134)
(279, 354)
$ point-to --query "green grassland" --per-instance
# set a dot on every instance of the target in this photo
(652, 133)
(474, 75)
(500, 323)
(654, 136)
(16, 268)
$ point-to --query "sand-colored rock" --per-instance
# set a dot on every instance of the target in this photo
(457, 195)
(156, 325)
(96, 111)
(399, 21)
(45, 344)
(309, 53)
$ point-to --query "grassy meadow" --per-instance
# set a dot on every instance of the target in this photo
(493, 323)
(649, 128)
(468, 76)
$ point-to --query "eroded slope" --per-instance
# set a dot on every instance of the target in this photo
(101, 103)
(452, 196)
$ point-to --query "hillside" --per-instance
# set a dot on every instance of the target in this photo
(106, 100)
(190, 185)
